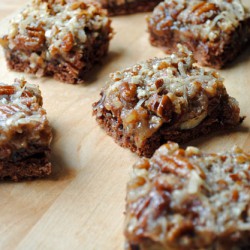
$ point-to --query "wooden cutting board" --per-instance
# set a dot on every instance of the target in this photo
(81, 205)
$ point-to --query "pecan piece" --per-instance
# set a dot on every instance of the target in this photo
(181, 229)
(77, 5)
(204, 7)
(128, 92)
(7, 90)
(161, 105)
(34, 40)
(201, 12)
(67, 42)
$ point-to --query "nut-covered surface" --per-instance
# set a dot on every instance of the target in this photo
(188, 199)
(59, 38)
(170, 95)
(216, 30)
(120, 7)
(25, 130)
(84, 198)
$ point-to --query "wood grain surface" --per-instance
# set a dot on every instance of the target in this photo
(81, 206)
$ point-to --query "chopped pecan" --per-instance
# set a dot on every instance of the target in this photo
(7, 90)
(235, 177)
(185, 227)
(4, 41)
(201, 12)
(235, 195)
(164, 105)
(76, 5)
(128, 92)
(160, 105)
(163, 65)
(67, 42)
(159, 83)
(143, 164)
(34, 40)
(204, 7)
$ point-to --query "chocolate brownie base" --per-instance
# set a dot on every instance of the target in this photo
(130, 7)
(59, 68)
(18, 154)
(216, 55)
(35, 166)
(223, 115)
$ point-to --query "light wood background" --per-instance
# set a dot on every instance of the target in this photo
(81, 205)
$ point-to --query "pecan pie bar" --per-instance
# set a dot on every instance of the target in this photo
(120, 7)
(215, 30)
(148, 104)
(25, 132)
(189, 200)
(60, 38)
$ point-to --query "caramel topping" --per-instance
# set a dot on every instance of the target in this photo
(207, 20)
(22, 119)
(188, 198)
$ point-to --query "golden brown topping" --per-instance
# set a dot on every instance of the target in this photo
(60, 26)
(207, 20)
(22, 119)
(189, 200)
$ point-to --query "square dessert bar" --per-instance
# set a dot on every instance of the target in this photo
(120, 7)
(171, 98)
(189, 200)
(58, 38)
(215, 30)
(25, 132)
